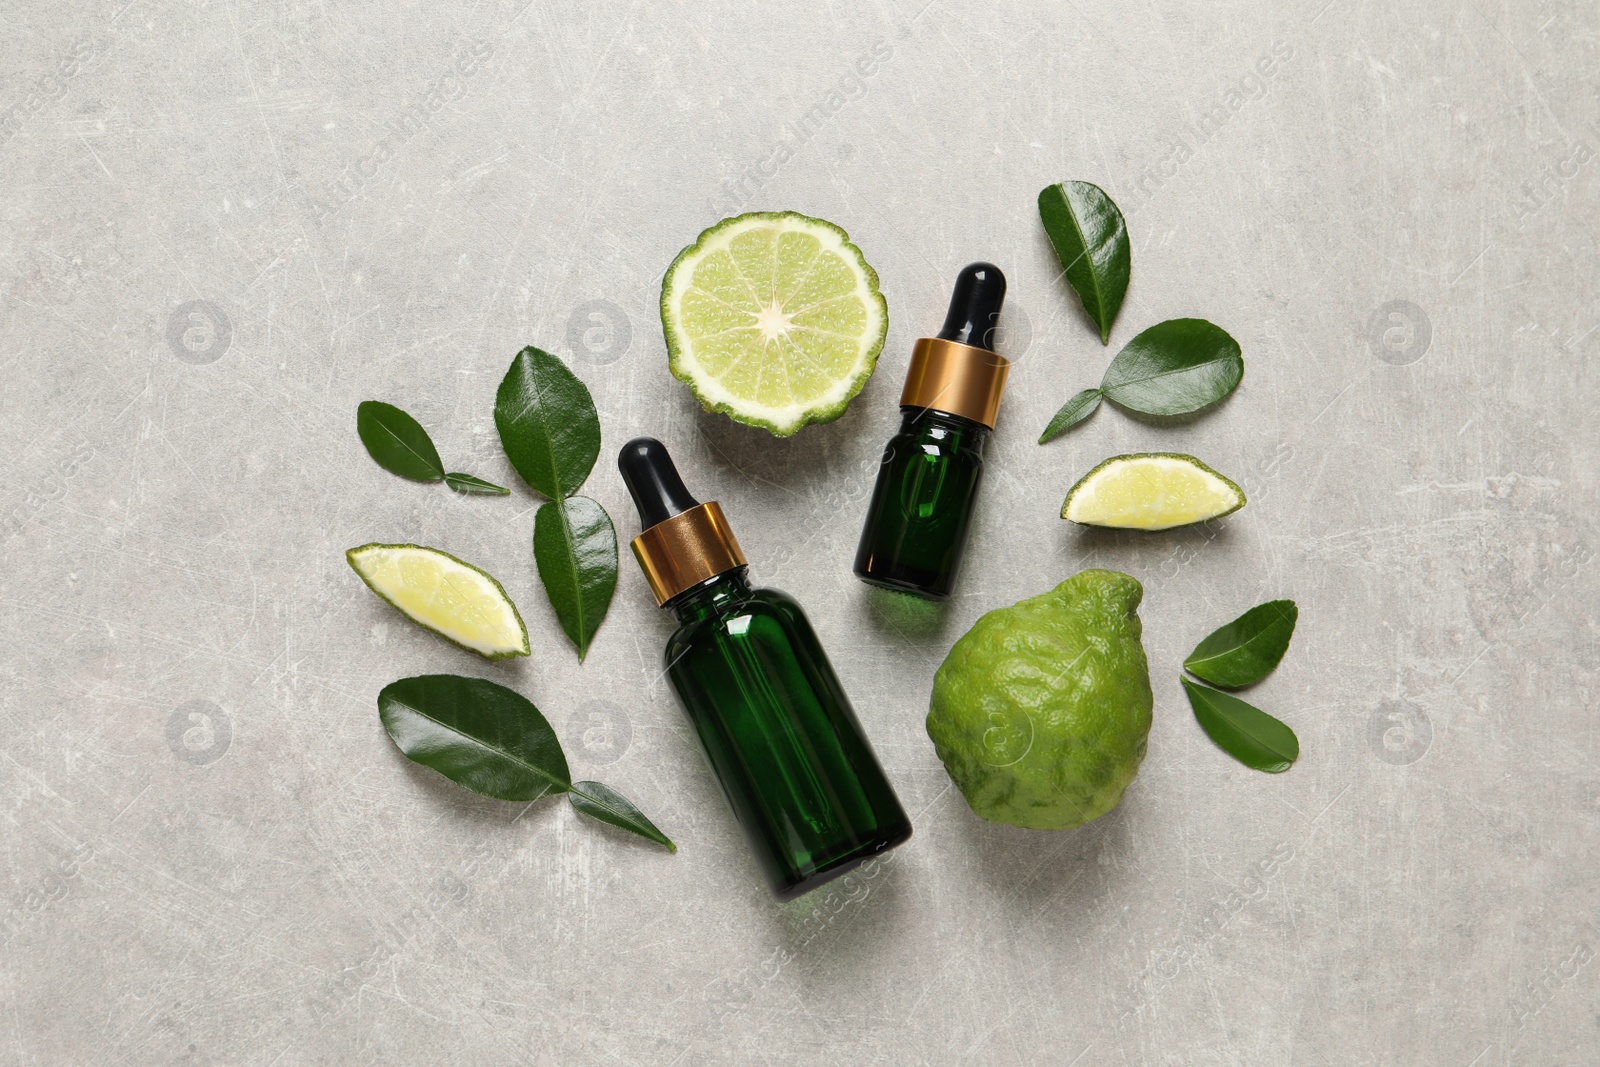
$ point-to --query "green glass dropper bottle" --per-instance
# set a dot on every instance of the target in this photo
(921, 507)
(746, 665)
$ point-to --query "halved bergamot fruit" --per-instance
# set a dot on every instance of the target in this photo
(774, 319)
(438, 592)
(1151, 491)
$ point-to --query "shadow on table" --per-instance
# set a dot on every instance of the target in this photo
(904, 615)
(1034, 875)
(804, 462)
(843, 933)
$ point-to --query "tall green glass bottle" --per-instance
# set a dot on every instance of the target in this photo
(921, 507)
(769, 711)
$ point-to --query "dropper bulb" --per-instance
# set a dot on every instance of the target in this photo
(653, 482)
(975, 302)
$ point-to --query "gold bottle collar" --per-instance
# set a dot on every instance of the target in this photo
(955, 378)
(681, 552)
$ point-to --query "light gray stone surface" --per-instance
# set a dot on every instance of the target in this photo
(212, 853)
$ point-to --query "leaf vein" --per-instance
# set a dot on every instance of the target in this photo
(511, 756)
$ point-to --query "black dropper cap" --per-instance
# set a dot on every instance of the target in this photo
(653, 482)
(975, 306)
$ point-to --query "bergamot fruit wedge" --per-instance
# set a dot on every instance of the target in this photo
(1151, 491)
(439, 592)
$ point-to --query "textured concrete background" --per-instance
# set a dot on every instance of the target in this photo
(226, 224)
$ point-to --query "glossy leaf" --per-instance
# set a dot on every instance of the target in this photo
(476, 733)
(1246, 733)
(1091, 240)
(1246, 649)
(609, 806)
(1174, 368)
(467, 483)
(398, 442)
(1074, 411)
(547, 423)
(575, 549)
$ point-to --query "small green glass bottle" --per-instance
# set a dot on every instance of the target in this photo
(921, 508)
(747, 667)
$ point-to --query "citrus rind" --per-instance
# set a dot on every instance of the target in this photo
(774, 319)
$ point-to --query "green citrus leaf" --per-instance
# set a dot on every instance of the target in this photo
(1174, 368)
(467, 483)
(1246, 649)
(1091, 240)
(1074, 411)
(575, 549)
(398, 442)
(609, 806)
(476, 733)
(1246, 733)
(547, 423)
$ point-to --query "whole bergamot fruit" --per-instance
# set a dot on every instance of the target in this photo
(1041, 711)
